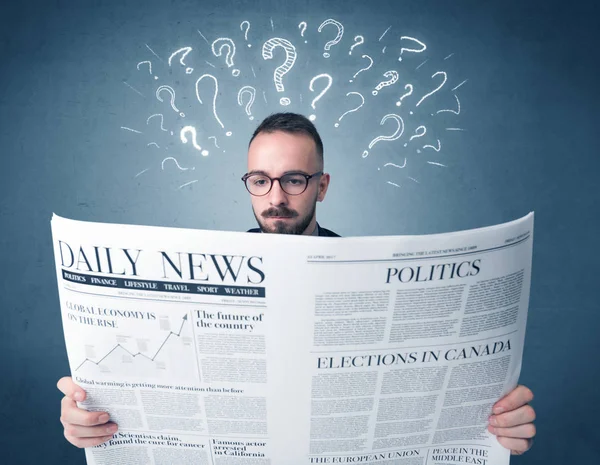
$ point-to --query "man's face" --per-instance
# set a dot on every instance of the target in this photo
(278, 153)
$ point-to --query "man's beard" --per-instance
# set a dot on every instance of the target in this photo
(284, 227)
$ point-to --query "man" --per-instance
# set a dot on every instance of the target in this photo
(289, 146)
(286, 180)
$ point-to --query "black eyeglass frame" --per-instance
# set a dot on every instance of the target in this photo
(308, 177)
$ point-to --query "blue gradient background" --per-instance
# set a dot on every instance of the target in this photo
(529, 108)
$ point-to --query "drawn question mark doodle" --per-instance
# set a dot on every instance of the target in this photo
(417, 134)
(318, 97)
(226, 42)
(246, 31)
(161, 121)
(252, 91)
(357, 41)
(363, 69)
(436, 89)
(185, 51)
(456, 112)
(403, 49)
(337, 125)
(394, 165)
(215, 141)
(410, 91)
(174, 161)
(171, 91)
(392, 79)
(437, 149)
(337, 39)
(149, 67)
(192, 131)
(302, 26)
(280, 71)
(228, 133)
(397, 134)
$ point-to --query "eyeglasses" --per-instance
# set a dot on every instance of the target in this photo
(291, 183)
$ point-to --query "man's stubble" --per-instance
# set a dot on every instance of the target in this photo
(281, 227)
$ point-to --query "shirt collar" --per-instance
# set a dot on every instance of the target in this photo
(316, 231)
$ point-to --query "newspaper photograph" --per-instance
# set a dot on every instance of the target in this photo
(229, 348)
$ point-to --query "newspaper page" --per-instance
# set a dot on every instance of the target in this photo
(212, 347)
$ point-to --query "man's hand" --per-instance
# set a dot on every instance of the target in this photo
(512, 420)
(82, 428)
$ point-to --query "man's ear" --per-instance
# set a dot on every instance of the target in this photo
(323, 186)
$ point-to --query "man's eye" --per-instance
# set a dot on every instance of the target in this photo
(259, 182)
(294, 181)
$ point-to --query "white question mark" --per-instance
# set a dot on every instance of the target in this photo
(363, 69)
(252, 91)
(337, 125)
(437, 149)
(185, 51)
(245, 32)
(417, 134)
(161, 121)
(317, 98)
(402, 50)
(174, 161)
(357, 41)
(410, 91)
(149, 67)
(225, 42)
(456, 112)
(436, 89)
(228, 133)
(171, 91)
(392, 79)
(302, 26)
(215, 141)
(397, 134)
(192, 131)
(340, 33)
(280, 71)
(396, 166)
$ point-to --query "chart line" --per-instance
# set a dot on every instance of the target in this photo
(178, 334)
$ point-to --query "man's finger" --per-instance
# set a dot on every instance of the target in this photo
(518, 397)
(520, 416)
(519, 432)
(516, 446)
(73, 415)
(87, 442)
(76, 431)
(70, 389)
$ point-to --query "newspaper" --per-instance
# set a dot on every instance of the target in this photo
(225, 348)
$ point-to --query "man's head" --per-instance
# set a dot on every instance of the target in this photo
(288, 145)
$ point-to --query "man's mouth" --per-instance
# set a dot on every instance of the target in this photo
(278, 215)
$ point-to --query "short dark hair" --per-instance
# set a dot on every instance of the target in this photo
(292, 123)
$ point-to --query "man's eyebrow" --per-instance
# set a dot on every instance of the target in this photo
(258, 172)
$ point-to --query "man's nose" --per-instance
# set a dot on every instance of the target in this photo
(277, 196)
